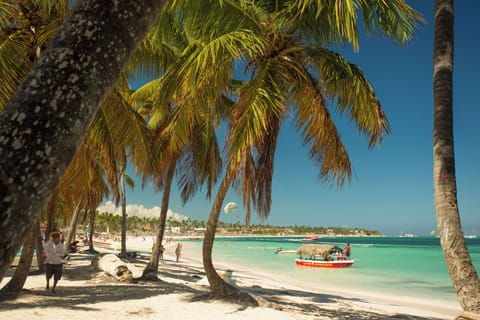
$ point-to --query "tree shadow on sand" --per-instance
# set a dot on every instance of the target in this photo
(182, 279)
(85, 297)
(332, 306)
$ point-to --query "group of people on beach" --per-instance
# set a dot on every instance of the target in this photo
(55, 254)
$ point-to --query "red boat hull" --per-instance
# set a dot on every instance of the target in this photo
(324, 264)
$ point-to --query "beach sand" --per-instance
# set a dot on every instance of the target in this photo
(84, 292)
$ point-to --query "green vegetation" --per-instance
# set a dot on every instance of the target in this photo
(108, 222)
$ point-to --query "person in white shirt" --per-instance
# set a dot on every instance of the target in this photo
(54, 254)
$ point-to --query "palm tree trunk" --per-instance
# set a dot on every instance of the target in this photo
(15, 285)
(72, 227)
(218, 286)
(51, 141)
(459, 264)
(39, 247)
(92, 230)
(123, 250)
(50, 214)
(151, 270)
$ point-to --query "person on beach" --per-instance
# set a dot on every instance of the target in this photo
(178, 251)
(162, 249)
(347, 250)
(54, 254)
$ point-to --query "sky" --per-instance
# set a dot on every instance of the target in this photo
(392, 186)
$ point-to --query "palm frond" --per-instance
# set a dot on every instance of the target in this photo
(320, 134)
(353, 92)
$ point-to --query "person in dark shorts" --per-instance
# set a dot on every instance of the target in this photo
(54, 254)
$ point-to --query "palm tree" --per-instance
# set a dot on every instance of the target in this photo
(124, 177)
(25, 28)
(290, 74)
(462, 272)
(49, 163)
(29, 28)
(184, 139)
(15, 285)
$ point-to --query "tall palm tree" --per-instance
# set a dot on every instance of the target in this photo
(27, 26)
(184, 139)
(290, 73)
(67, 110)
(462, 272)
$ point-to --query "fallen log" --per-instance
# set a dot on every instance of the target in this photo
(115, 267)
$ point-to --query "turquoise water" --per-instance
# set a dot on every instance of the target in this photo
(390, 265)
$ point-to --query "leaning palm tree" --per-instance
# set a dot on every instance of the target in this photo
(290, 73)
(66, 115)
(26, 28)
(462, 272)
(185, 142)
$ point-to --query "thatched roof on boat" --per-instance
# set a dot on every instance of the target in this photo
(321, 250)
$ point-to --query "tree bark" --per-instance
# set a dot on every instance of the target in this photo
(43, 125)
(123, 237)
(39, 247)
(91, 226)
(151, 270)
(115, 267)
(219, 287)
(15, 285)
(462, 272)
(71, 230)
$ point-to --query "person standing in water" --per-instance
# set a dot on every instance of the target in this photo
(54, 254)
(347, 250)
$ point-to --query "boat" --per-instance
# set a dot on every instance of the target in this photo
(281, 251)
(322, 256)
(311, 238)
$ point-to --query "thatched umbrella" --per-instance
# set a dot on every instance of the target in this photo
(317, 250)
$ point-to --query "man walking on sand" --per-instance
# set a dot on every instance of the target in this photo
(54, 254)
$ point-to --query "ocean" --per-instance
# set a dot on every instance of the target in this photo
(400, 266)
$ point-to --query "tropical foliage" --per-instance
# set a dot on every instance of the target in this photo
(275, 59)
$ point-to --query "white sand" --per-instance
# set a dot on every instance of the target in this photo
(85, 293)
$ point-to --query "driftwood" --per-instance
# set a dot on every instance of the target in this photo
(115, 267)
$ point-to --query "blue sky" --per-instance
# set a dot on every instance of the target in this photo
(392, 189)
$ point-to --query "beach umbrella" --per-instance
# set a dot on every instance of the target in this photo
(230, 207)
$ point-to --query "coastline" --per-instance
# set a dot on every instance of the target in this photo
(422, 307)
(86, 292)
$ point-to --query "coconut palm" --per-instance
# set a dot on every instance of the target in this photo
(185, 141)
(290, 73)
(462, 272)
(26, 26)
(67, 104)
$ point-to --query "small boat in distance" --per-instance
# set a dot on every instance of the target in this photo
(281, 251)
(322, 256)
(311, 238)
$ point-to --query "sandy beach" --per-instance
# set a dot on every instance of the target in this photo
(85, 292)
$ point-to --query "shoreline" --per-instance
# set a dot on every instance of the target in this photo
(86, 292)
(193, 256)
(421, 307)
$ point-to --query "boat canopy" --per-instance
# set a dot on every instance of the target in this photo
(319, 250)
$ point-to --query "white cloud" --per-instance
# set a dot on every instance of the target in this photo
(139, 211)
